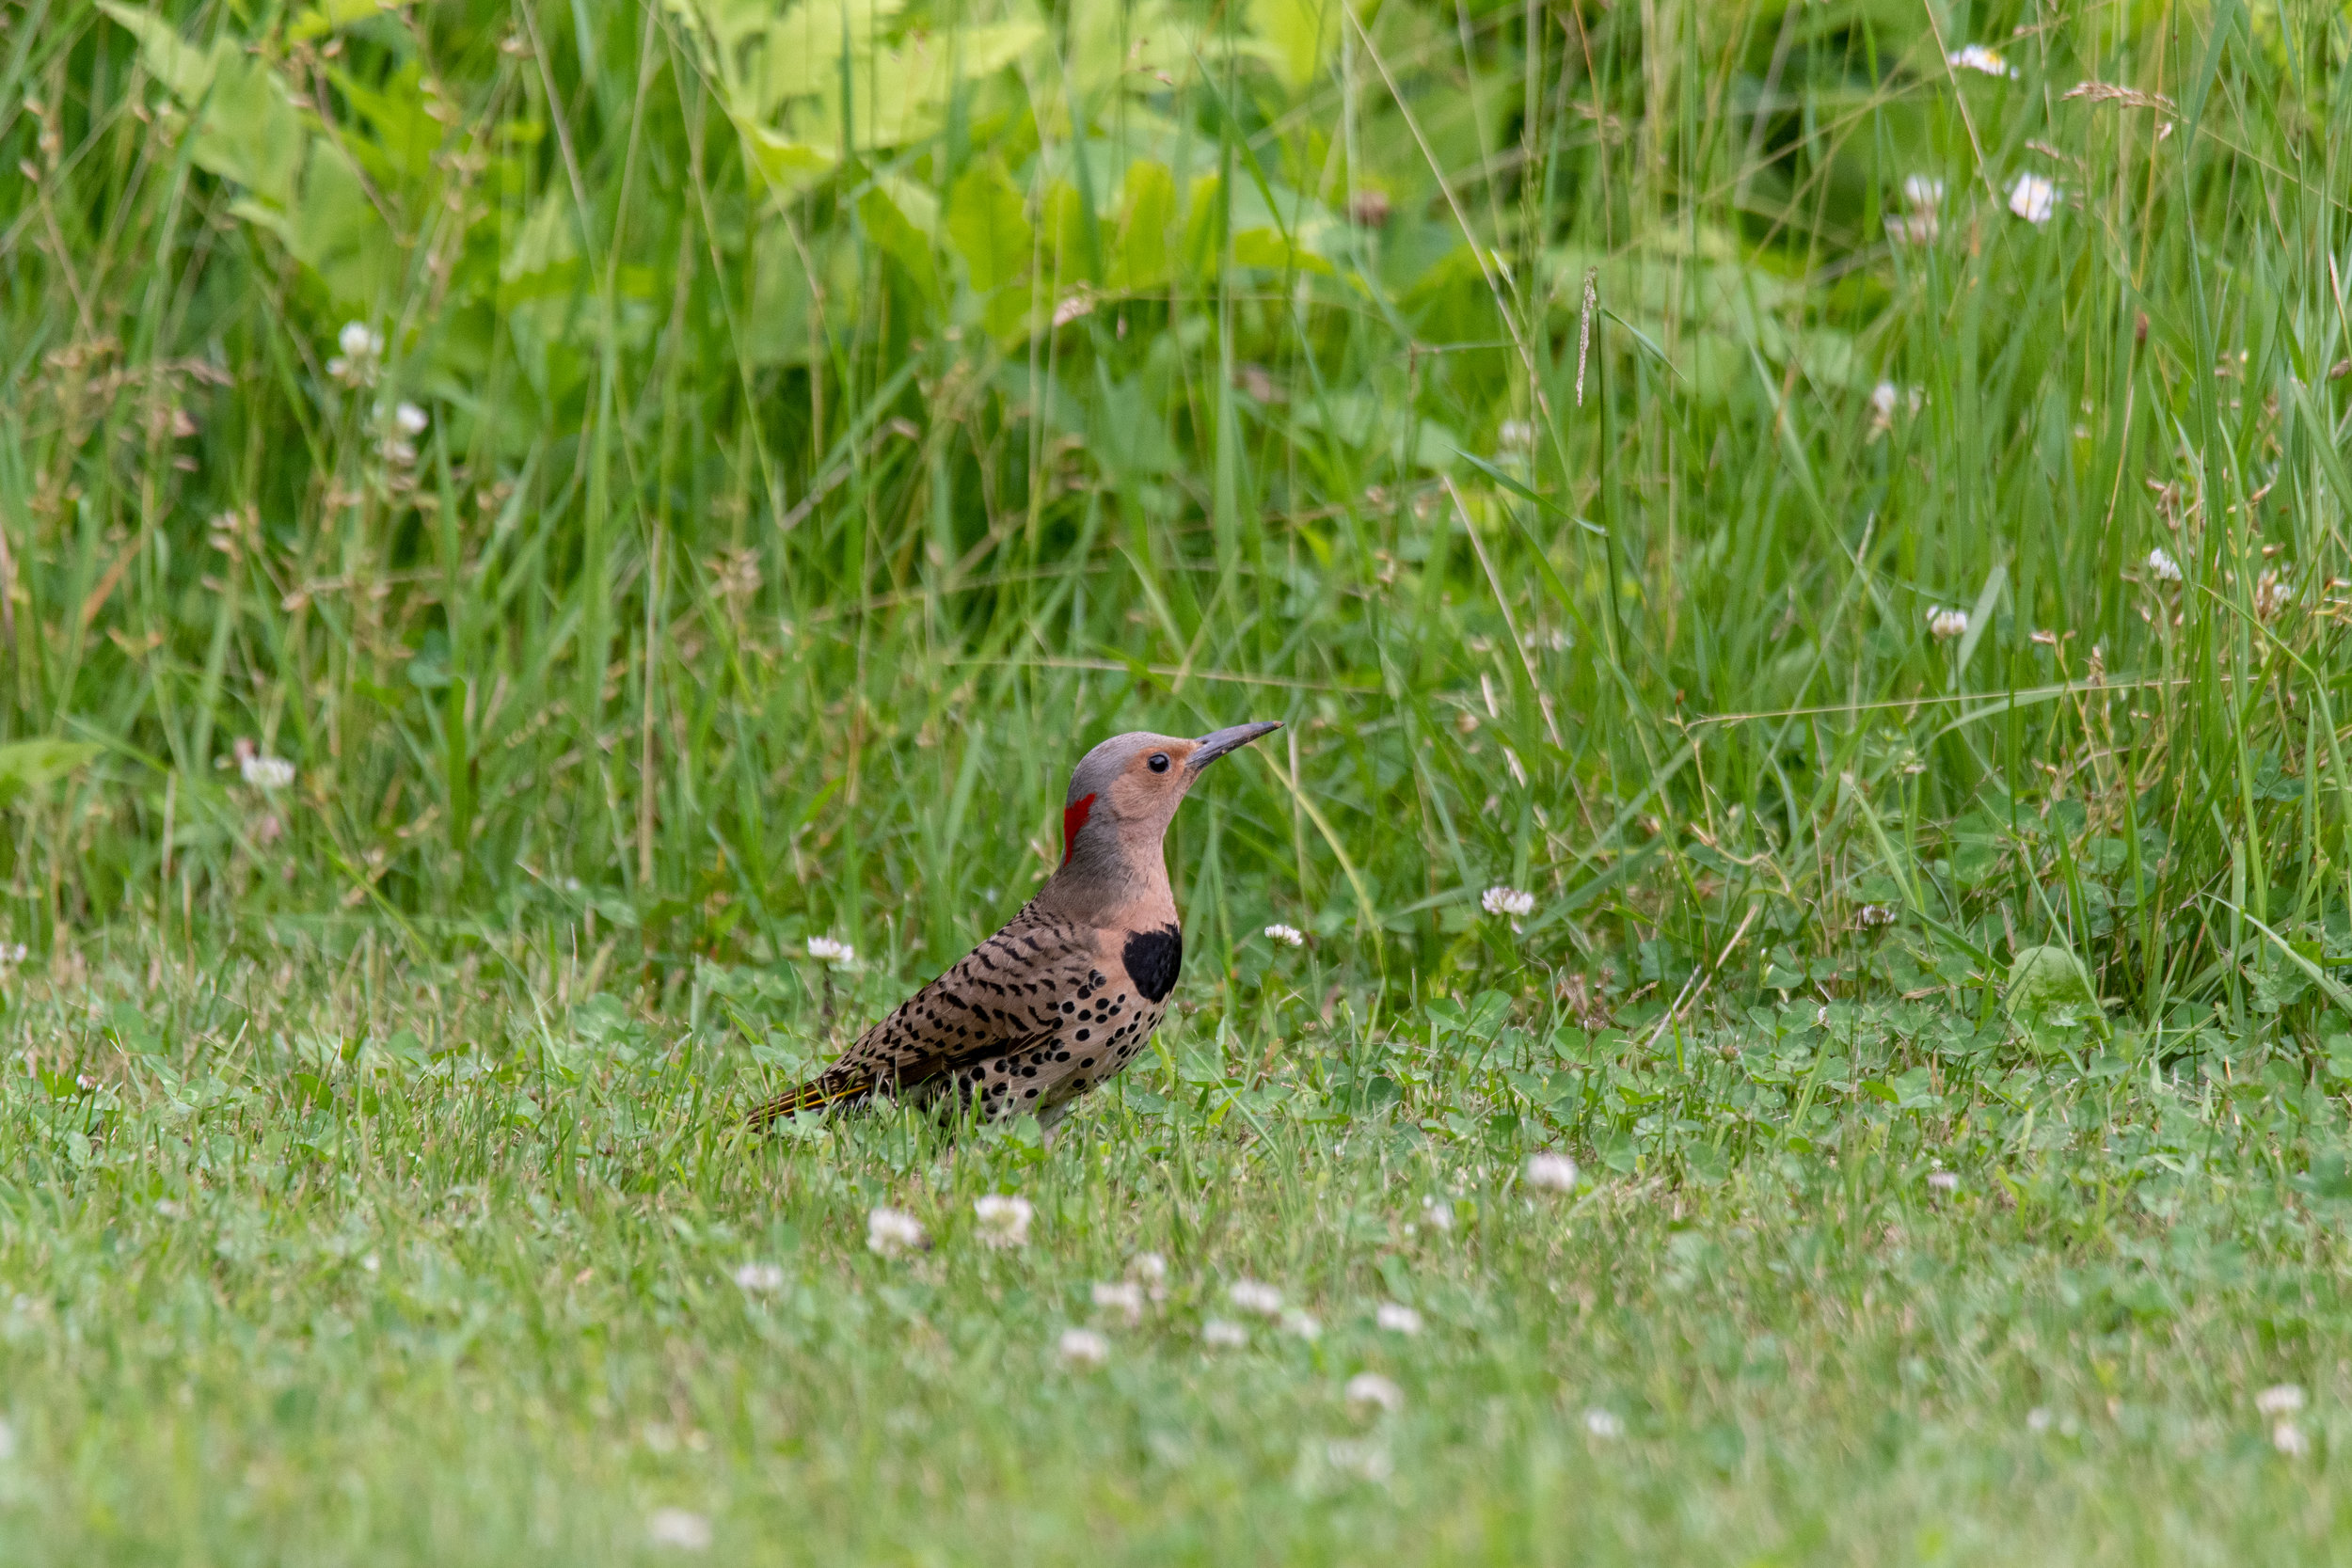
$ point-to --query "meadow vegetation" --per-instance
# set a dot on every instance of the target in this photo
(1802, 551)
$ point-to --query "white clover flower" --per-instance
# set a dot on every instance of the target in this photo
(1124, 1297)
(1872, 915)
(1219, 1335)
(890, 1232)
(1397, 1319)
(1250, 1295)
(1303, 1325)
(13, 953)
(2033, 199)
(1551, 1173)
(826, 950)
(2284, 1398)
(2037, 1419)
(1150, 1267)
(1082, 1348)
(1944, 1181)
(756, 1277)
(410, 418)
(1883, 397)
(1515, 435)
(1947, 624)
(358, 341)
(2161, 567)
(1289, 936)
(1438, 1211)
(1004, 1219)
(2289, 1439)
(676, 1527)
(1507, 901)
(267, 772)
(1922, 190)
(1604, 1423)
(1368, 1390)
(1975, 57)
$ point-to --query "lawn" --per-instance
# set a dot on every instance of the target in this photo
(1782, 996)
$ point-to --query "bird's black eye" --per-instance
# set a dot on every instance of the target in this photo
(1159, 762)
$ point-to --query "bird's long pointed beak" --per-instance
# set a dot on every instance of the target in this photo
(1211, 746)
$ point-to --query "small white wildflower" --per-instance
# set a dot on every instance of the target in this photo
(1944, 1181)
(2162, 568)
(1289, 936)
(765, 1276)
(2032, 197)
(1082, 1348)
(1873, 915)
(1920, 226)
(13, 953)
(1250, 1295)
(2284, 1398)
(2289, 1439)
(1150, 1267)
(358, 341)
(373, 1263)
(1366, 1390)
(1975, 57)
(1922, 190)
(1397, 1319)
(1124, 1297)
(1947, 624)
(826, 950)
(1515, 435)
(1219, 1335)
(2037, 1419)
(1438, 1212)
(1004, 1219)
(267, 772)
(1303, 1325)
(890, 1232)
(409, 418)
(1506, 901)
(1551, 1173)
(1604, 1423)
(675, 1526)
(1071, 309)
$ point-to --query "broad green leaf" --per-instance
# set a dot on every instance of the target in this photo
(187, 71)
(888, 226)
(1299, 37)
(1141, 262)
(30, 763)
(989, 227)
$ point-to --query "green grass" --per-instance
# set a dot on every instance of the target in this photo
(834, 423)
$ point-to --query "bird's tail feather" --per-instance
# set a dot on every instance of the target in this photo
(818, 1093)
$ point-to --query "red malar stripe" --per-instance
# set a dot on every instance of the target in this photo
(1074, 816)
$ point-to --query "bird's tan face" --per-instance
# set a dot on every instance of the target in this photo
(1125, 791)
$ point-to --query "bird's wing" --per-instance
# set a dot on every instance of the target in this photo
(1002, 997)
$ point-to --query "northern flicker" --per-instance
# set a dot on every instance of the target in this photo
(1065, 995)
